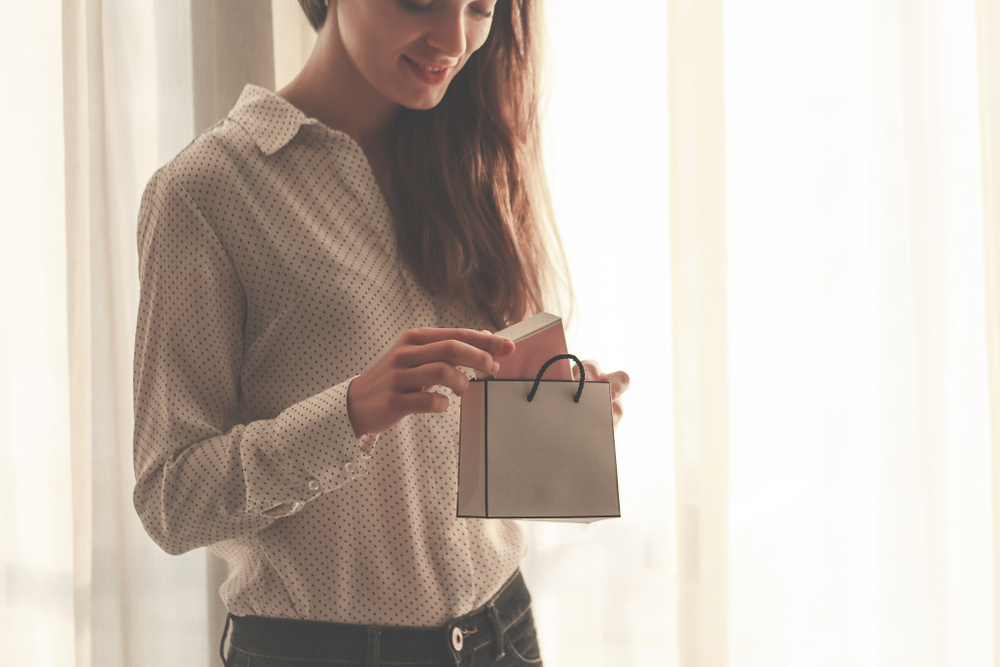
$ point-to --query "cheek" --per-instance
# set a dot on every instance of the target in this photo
(367, 37)
(476, 35)
(352, 32)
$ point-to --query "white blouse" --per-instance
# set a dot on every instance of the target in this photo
(269, 279)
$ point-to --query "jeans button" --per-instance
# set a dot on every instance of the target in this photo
(456, 638)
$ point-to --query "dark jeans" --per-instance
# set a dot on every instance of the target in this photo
(499, 634)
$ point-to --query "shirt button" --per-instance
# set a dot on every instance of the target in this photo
(456, 639)
(313, 485)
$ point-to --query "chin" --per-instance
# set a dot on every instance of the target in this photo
(422, 102)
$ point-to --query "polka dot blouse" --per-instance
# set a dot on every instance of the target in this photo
(269, 279)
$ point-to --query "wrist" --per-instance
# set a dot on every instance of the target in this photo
(352, 412)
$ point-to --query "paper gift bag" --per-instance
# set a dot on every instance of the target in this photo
(541, 449)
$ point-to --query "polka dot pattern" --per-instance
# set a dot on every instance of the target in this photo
(270, 278)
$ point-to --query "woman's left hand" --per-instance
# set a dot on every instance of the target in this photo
(618, 380)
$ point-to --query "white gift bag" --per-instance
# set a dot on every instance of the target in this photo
(542, 449)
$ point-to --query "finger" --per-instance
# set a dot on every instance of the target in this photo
(428, 375)
(619, 381)
(498, 346)
(590, 368)
(449, 351)
(423, 402)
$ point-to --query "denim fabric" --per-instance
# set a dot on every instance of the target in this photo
(500, 634)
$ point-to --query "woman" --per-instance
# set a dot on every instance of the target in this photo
(314, 271)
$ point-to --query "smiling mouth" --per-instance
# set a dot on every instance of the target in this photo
(426, 68)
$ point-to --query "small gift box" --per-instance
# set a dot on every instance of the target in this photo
(537, 339)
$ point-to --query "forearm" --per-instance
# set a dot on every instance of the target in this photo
(233, 484)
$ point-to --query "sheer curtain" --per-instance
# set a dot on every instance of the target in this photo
(848, 519)
(97, 95)
(36, 518)
(988, 18)
(781, 219)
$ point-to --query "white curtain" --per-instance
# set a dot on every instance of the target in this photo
(36, 518)
(854, 524)
(775, 221)
(96, 95)
(859, 389)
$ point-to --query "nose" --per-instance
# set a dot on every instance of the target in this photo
(448, 34)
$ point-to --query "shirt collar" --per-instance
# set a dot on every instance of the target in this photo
(270, 120)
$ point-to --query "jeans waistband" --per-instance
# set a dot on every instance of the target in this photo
(480, 630)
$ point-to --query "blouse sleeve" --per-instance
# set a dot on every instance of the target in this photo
(201, 476)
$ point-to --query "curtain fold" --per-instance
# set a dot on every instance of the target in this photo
(988, 34)
(700, 338)
(78, 311)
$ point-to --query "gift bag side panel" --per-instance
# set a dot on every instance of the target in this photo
(471, 453)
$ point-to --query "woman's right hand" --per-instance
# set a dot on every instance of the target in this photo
(399, 383)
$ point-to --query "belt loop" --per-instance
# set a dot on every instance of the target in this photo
(222, 644)
(495, 617)
(373, 644)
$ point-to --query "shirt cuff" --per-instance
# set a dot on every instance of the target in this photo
(308, 450)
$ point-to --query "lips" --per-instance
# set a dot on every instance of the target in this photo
(426, 72)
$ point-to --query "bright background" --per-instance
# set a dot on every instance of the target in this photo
(781, 220)
(603, 592)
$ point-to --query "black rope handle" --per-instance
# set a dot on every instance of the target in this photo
(545, 367)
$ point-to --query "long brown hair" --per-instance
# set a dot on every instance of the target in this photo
(474, 215)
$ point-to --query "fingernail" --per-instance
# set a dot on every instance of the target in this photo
(496, 367)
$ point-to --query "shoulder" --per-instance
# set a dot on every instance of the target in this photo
(213, 160)
(206, 170)
(236, 148)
